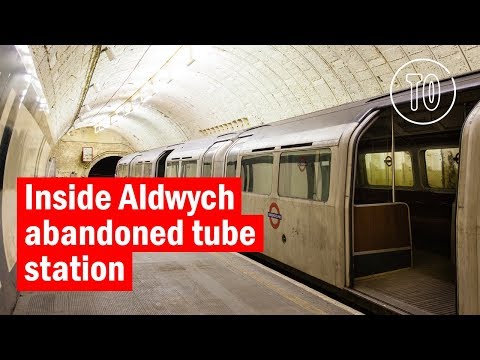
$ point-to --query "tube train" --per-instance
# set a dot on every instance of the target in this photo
(358, 198)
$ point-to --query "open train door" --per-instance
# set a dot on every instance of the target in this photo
(468, 217)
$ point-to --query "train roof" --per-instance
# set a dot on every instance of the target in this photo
(325, 126)
(194, 149)
(128, 158)
(462, 82)
(150, 155)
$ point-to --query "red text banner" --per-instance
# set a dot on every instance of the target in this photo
(77, 234)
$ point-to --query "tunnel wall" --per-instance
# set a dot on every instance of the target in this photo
(24, 151)
(68, 151)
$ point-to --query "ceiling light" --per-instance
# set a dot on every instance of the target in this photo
(163, 75)
(98, 128)
(23, 49)
(128, 108)
(190, 58)
(110, 54)
(114, 119)
(200, 52)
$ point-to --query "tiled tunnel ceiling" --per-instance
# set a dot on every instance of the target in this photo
(199, 87)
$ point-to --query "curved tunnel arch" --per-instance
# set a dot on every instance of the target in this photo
(263, 83)
(105, 167)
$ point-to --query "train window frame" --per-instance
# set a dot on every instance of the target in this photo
(423, 164)
(230, 163)
(204, 165)
(252, 156)
(182, 167)
(145, 165)
(140, 165)
(387, 186)
(310, 151)
(172, 163)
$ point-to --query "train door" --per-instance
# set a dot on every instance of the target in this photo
(468, 217)
(209, 167)
(257, 173)
(404, 210)
(300, 222)
(160, 167)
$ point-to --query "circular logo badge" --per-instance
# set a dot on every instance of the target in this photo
(274, 215)
(302, 164)
(422, 76)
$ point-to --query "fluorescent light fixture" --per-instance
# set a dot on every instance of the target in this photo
(190, 58)
(114, 119)
(23, 49)
(163, 75)
(98, 128)
(200, 52)
(110, 54)
(128, 108)
(103, 124)
(146, 92)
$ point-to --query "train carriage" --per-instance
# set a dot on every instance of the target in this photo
(360, 199)
(123, 168)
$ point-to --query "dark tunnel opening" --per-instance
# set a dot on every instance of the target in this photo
(105, 167)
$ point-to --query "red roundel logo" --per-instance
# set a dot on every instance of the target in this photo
(302, 164)
(274, 215)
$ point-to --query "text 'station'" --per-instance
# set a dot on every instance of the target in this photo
(79, 234)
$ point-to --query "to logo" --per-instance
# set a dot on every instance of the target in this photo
(425, 90)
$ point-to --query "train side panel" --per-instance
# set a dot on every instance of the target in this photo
(468, 217)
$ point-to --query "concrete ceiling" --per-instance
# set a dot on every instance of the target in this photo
(197, 88)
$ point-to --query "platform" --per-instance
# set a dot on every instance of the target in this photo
(191, 283)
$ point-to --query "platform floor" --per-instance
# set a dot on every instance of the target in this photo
(191, 283)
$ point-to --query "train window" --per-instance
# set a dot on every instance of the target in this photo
(256, 174)
(207, 169)
(137, 170)
(442, 168)
(189, 168)
(379, 172)
(232, 168)
(147, 169)
(172, 169)
(305, 174)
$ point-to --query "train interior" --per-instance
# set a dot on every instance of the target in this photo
(404, 228)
